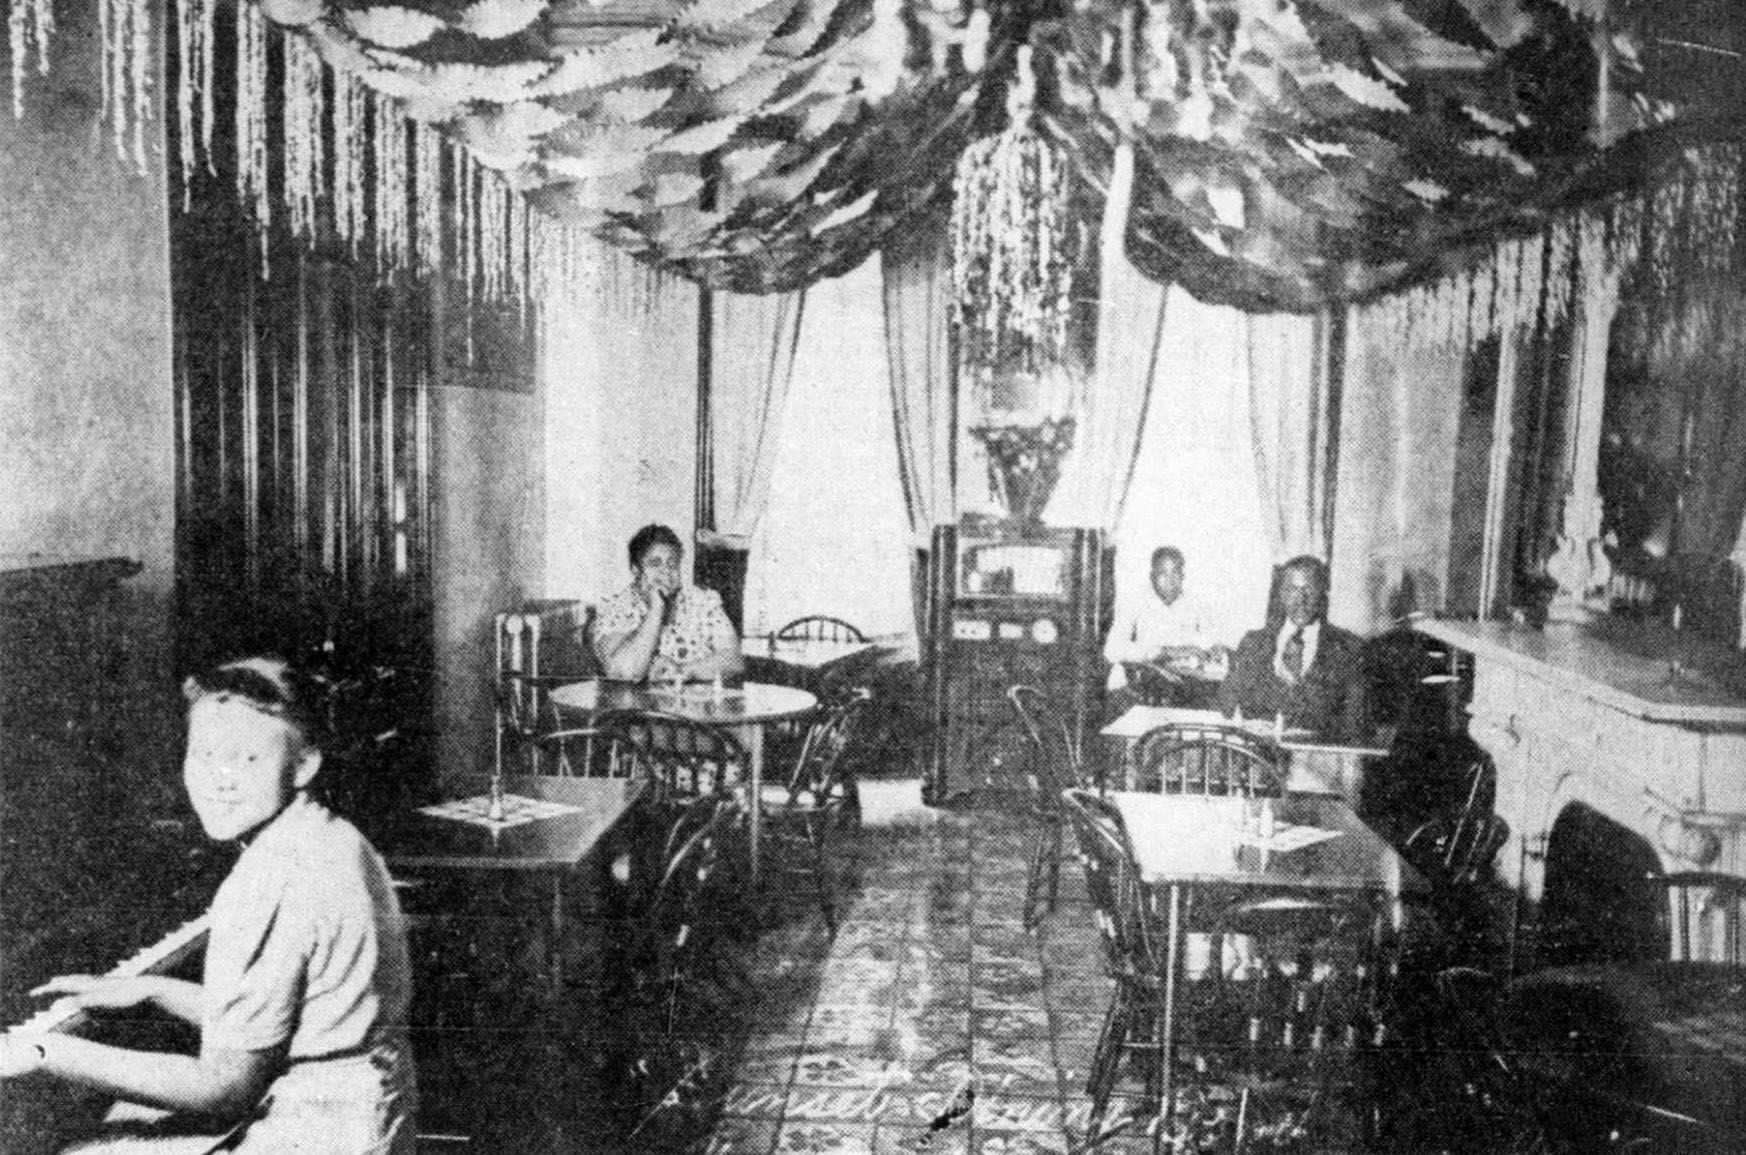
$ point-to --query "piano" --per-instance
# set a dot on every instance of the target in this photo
(44, 1114)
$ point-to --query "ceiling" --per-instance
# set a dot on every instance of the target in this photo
(1291, 152)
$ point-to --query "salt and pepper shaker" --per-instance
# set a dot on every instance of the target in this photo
(495, 811)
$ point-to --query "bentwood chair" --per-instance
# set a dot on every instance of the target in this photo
(683, 758)
(819, 628)
(803, 814)
(1455, 852)
(524, 714)
(1136, 1022)
(1307, 1001)
(682, 929)
(580, 752)
(1054, 766)
(1188, 759)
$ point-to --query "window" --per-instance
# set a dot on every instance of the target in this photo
(835, 538)
(1195, 484)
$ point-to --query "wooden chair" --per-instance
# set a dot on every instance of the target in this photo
(803, 814)
(580, 752)
(1133, 955)
(1309, 997)
(819, 628)
(1702, 916)
(681, 928)
(1455, 852)
(1188, 759)
(1055, 766)
(525, 714)
(536, 643)
(683, 758)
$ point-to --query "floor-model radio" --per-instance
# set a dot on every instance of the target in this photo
(1008, 605)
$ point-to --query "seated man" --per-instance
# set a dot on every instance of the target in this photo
(1301, 667)
(1154, 639)
(661, 628)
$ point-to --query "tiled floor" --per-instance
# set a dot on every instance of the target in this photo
(932, 1021)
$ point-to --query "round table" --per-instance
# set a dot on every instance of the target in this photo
(744, 710)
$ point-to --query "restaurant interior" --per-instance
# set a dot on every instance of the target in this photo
(1221, 526)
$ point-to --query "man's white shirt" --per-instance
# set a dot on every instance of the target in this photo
(1141, 631)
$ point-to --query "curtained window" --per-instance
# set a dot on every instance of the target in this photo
(1213, 435)
(834, 537)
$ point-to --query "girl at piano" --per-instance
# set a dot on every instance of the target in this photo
(302, 1003)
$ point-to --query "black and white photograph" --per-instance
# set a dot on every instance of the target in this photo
(920, 577)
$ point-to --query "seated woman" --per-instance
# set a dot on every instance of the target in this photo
(302, 1004)
(660, 628)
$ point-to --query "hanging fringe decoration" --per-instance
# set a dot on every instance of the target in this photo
(388, 135)
(125, 66)
(251, 120)
(194, 87)
(30, 24)
(518, 278)
(351, 126)
(427, 146)
(305, 122)
(493, 250)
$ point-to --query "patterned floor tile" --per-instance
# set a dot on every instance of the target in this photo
(742, 1137)
(845, 1065)
(1027, 1066)
(896, 1105)
(949, 1140)
(846, 1022)
(1009, 1021)
(1008, 1112)
(1022, 1143)
(1083, 1023)
(769, 1059)
(803, 1138)
(754, 1101)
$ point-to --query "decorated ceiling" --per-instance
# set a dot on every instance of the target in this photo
(1291, 152)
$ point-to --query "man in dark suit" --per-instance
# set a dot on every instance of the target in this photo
(1301, 666)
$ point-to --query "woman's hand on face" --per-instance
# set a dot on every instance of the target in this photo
(99, 992)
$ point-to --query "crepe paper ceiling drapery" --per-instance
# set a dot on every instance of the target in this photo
(1291, 152)
(732, 141)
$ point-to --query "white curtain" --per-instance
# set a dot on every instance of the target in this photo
(1399, 422)
(917, 290)
(752, 343)
(834, 539)
(1288, 402)
(1196, 485)
(1130, 322)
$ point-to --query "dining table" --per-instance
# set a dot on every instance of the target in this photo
(1309, 844)
(745, 711)
(541, 826)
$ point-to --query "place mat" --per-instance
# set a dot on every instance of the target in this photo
(517, 810)
(1288, 837)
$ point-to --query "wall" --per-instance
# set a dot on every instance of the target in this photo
(488, 540)
(86, 413)
(620, 370)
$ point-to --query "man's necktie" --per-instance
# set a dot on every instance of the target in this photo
(1292, 656)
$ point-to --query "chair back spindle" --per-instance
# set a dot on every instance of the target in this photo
(1188, 759)
(820, 628)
